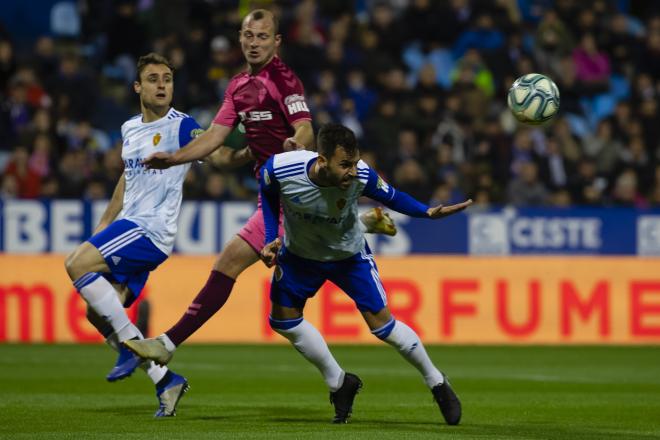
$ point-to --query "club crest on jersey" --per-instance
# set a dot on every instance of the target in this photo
(341, 203)
(382, 185)
(266, 176)
(157, 138)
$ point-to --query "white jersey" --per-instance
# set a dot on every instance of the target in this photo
(152, 198)
(320, 223)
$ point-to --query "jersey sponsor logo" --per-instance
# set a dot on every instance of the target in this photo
(295, 103)
(317, 219)
(341, 203)
(256, 115)
(157, 138)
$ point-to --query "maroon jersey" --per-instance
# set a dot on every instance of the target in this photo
(267, 104)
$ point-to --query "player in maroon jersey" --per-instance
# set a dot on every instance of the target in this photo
(269, 100)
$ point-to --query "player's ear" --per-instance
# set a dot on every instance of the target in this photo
(278, 40)
(323, 162)
(137, 87)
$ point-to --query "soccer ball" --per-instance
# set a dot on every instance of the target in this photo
(533, 98)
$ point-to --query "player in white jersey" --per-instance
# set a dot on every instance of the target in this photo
(136, 232)
(323, 241)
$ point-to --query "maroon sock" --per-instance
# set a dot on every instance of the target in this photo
(209, 300)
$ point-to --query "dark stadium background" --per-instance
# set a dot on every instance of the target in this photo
(421, 82)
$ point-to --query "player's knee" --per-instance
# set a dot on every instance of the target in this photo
(284, 326)
(384, 331)
(71, 264)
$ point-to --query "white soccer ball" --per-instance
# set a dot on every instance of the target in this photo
(533, 98)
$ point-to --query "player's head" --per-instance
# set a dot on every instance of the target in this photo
(259, 37)
(338, 154)
(154, 83)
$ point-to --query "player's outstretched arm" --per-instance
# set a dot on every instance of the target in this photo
(198, 148)
(377, 189)
(114, 206)
(444, 211)
(227, 158)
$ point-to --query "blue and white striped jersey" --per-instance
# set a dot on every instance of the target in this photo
(320, 223)
(152, 198)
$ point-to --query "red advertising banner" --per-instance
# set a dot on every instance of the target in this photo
(456, 300)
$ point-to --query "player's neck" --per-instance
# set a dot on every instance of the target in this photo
(151, 114)
(254, 69)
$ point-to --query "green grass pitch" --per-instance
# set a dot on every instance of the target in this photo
(59, 391)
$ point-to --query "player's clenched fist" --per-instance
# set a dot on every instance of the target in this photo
(158, 161)
(269, 253)
(290, 144)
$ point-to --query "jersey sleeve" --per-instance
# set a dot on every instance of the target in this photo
(227, 115)
(188, 130)
(269, 188)
(377, 189)
(292, 98)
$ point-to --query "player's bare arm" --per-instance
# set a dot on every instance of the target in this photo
(198, 148)
(114, 206)
(444, 211)
(303, 139)
(269, 253)
(227, 158)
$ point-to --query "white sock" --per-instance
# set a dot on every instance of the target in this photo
(104, 300)
(309, 342)
(155, 372)
(406, 341)
(167, 342)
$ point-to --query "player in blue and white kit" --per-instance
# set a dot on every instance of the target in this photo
(137, 230)
(323, 241)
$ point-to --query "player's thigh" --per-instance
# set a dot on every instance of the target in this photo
(280, 312)
(237, 256)
(359, 278)
(86, 258)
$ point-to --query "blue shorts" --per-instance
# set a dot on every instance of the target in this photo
(296, 279)
(129, 254)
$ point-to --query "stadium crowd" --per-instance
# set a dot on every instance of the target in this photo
(421, 82)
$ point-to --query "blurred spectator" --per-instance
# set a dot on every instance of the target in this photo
(592, 66)
(27, 180)
(421, 82)
(526, 189)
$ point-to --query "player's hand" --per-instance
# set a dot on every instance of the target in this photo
(444, 211)
(290, 144)
(269, 253)
(158, 161)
